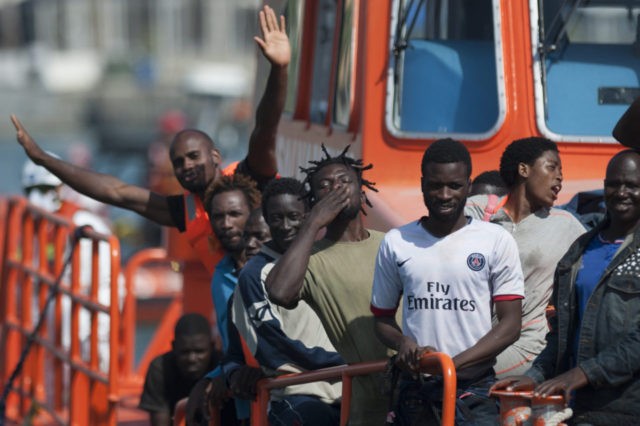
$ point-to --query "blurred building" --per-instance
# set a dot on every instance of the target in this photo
(104, 72)
(170, 35)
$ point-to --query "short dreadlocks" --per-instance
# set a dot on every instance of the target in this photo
(357, 165)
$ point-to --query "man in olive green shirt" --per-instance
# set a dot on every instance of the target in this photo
(334, 275)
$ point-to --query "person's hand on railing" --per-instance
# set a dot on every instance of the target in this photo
(243, 381)
(514, 384)
(409, 354)
(216, 392)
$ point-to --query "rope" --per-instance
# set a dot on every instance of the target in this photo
(53, 290)
(559, 417)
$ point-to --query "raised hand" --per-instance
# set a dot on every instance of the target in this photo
(31, 148)
(274, 42)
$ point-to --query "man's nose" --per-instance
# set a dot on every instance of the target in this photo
(227, 222)
(445, 193)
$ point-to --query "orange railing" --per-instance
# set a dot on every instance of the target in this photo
(434, 363)
(62, 379)
(138, 261)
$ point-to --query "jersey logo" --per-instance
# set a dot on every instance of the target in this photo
(475, 261)
(260, 312)
(402, 262)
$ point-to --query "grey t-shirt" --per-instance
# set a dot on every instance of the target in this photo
(542, 238)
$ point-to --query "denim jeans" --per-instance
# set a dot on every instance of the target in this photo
(298, 410)
(420, 402)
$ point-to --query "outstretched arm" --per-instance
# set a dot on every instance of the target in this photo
(274, 44)
(105, 188)
(284, 282)
(627, 130)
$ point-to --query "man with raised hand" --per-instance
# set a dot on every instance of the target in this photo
(195, 159)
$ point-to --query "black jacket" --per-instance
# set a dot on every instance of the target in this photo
(609, 346)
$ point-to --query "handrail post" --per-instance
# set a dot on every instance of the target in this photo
(129, 306)
(259, 406)
(444, 362)
(114, 331)
(345, 406)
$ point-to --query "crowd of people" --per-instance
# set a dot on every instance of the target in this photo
(300, 283)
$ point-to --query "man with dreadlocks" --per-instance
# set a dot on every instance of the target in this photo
(334, 275)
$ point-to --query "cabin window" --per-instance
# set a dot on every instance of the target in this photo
(345, 87)
(322, 59)
(586, 67)
(295, 15)
(444, 76)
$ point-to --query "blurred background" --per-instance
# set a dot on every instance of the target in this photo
(105, 83)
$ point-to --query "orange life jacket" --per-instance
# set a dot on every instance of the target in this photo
(198, 228)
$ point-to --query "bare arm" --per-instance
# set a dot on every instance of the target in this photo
(627, 130)
(495, 341)
(274, 43)
(105, 188)
(286, 279)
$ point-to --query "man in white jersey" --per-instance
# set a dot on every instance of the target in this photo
(450, 271)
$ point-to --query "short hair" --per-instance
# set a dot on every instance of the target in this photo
(445, 151)
(357, 165)
(282, 186)
(526, 150)
(234, 182)
(192, 324)
(490, 177)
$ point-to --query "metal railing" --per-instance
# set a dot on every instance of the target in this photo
(61, 379)
(433, 363)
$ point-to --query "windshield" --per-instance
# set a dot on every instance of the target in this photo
(587, 65)
(444, 74)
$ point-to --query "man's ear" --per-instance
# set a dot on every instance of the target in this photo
(215, 155)
(523, 170)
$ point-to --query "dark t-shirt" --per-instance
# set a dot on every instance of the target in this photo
(164, 386)
(176, 202)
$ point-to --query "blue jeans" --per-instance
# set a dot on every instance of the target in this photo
(420, 402)
(298, 410)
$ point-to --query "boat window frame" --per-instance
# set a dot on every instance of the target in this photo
(539, 88)
(390, 112)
